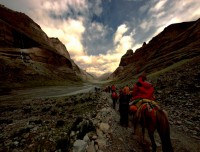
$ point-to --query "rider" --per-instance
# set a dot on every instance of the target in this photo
(141, 90)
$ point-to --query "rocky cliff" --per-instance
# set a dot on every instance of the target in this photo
(175, 43)
(28, 54)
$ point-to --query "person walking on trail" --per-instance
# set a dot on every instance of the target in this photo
(109, 89)
(141, 90)
(124, 99)
(113, 88)
(126, 90)
(114, 97)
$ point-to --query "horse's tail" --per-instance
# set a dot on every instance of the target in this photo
(163, 129)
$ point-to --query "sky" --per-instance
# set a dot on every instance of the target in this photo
(97, 33)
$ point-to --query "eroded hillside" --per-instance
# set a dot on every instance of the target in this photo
(29, 57)
(175, 43)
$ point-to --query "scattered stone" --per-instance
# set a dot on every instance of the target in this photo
(104, 127)
(79, 146)
(91, 147)
(72, 133)
(16, 143)
(99, 133)
(101, 143)
(178, 122)
(86, 138)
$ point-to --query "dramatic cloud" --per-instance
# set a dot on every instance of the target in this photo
(123, 39)
(159, 6)
(97, 33)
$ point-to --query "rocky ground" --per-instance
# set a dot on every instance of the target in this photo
(42, 124)
(61, 124)
(78, 123)
(179, 93)
(87, 121)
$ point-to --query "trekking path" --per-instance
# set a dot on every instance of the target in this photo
(108, 136)
(123, 140)
(60, 123)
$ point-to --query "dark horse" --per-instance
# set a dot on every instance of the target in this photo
(153, 117)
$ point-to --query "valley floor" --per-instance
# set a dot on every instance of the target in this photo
(37, 123)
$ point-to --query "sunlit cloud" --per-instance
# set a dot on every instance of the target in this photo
(146, 25)
(159, 5)
(96, 30)
(123, 40)
(61, 6)
(93, 41)
(70, 33)
(103, 63)
(121, 30)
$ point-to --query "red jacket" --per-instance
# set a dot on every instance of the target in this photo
(114, 95)
(145, 91)
(113, 88)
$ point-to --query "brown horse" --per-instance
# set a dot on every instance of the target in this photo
(152, 117)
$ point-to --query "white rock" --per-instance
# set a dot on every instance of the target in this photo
(104, 127)
(86, 139)
(96, 147)
(91, 147)
(99, 133)
(94, 137)
(79, 146)
(16, 143)
(101, 143)
(72, 134)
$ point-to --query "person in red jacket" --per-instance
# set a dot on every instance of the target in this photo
(113, 88)
(114, 97)
(141, 90)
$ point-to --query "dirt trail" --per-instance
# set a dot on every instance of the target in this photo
(38, 116)
(124, 141)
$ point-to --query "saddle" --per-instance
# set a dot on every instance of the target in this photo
(139, 102)
(149, 107)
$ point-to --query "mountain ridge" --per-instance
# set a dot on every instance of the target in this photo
(175, 43)
(25, 46)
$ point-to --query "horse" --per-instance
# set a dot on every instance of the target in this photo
(152, 117)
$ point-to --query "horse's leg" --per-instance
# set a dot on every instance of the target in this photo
(163, 129)
(135, 124)
(143, 133)
(153, 143)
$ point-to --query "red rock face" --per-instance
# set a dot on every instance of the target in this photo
(175, 43)
(20, 31)
(25, 48)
